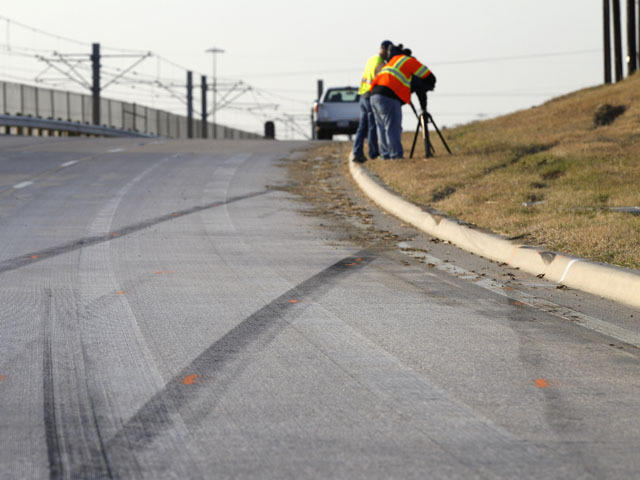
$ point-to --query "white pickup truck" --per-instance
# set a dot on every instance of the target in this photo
(337, 113)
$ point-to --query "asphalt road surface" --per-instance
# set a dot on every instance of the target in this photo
(175, 310)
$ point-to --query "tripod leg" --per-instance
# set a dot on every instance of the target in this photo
(428, 148)
(415, 137)
(444, 142)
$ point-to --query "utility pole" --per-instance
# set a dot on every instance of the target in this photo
(607, 40)
(189, 104)
(203, 84)
(214, 86)
(95, 88)
(617, 37)
(632, 63)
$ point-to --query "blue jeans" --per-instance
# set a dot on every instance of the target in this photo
(388, 114)
(366, 128)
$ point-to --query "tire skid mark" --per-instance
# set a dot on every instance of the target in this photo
(50, 429)
(118, 355)
(78, 418)
(32, 257)
(218, 366)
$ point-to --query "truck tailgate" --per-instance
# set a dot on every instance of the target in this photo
(338, 111)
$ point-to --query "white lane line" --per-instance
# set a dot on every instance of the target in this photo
(68, 164)
(20, 185)
(116, 150)
(566, 313)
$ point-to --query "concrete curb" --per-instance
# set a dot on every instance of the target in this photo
(619, 284)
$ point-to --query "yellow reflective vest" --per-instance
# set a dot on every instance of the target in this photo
(373, 67)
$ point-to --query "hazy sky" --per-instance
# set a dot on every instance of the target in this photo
(284, 46)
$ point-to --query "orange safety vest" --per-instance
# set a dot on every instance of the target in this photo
(397, 73)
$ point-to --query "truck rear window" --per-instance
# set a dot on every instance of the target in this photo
(342, 95)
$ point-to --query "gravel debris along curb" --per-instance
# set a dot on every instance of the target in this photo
(608, 281)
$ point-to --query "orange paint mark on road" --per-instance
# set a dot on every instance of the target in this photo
(114, 234)
(293, 301)
(35, 256)
(350, 264)
(1, 378)
(175, 214)
(190, 379)
(121, 292)
(541, 383)
(517, 303)
(358, 259)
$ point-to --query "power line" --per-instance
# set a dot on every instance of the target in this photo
(439, 63)
(10, 21)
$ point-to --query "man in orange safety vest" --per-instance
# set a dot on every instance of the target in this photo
(390, 90)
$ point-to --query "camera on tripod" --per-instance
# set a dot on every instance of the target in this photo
(420, 86)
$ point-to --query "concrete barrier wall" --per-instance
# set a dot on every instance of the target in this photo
(26, 100)
(75, 107)
(59, 104)
(13, 99)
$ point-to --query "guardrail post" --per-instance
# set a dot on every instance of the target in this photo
(95, 89)
(204, 126)
(189, 104)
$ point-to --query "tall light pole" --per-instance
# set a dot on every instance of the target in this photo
(214, 86)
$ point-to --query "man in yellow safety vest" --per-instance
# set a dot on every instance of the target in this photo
(367, 125)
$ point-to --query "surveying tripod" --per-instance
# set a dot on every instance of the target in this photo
(424, 118)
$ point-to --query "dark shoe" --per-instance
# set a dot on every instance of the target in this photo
(373, 157)
(360, 159)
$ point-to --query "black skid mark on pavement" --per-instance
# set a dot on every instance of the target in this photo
(50, 427)
(33, 257)
(222, 363)
(70, 453)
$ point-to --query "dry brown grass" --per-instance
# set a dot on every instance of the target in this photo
(551, 153)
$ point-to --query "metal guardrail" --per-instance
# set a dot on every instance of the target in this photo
(74, 111)
(75, 128)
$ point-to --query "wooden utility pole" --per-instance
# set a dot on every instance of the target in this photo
(607, 40)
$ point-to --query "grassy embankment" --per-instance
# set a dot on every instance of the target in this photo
(553, 154)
